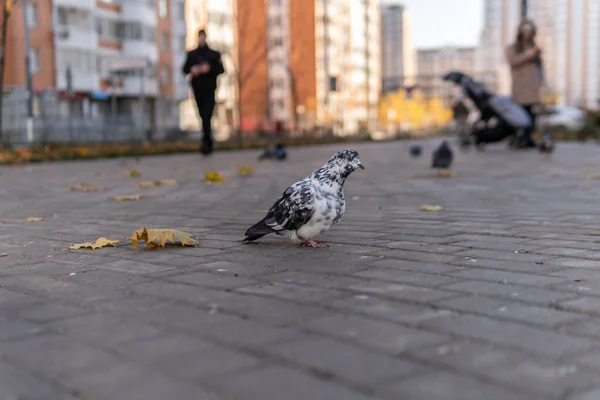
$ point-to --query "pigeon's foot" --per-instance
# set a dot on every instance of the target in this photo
(312, 243)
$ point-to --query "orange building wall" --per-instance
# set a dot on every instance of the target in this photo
(303, 53)
(165, 56)
(252, 62)
(40, 37)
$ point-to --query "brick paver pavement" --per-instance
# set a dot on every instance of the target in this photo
(495, 297)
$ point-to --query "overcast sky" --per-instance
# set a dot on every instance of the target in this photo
(444, 22)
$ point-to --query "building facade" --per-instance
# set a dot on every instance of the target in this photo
(111, 57)
(432, 64)
(398, 56)
(569, 35)
(320, 63)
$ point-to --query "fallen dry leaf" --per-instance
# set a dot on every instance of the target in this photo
(133, 173)
(36, 219)
(213, 177)
(100, 242)
(427, 207)
(86, 187)
(245, 171)
(447, 174)
(159, 237)
(131, 197)
(165, 182)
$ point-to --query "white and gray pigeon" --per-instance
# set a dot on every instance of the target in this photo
(311, 206)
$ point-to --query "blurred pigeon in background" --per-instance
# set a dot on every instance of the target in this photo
(277, 152)
(442, 157)
(547, 144)
(415, 150)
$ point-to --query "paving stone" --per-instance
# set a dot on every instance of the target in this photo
(507, 277)
(449, 386)
(16, 383)
(105, 328)
(132, 381)
(391, 338)
(509, 334)
(212, 280)
(510, 292)
(590, 305)
(419, 279)
(504, 309)
(54, 356)
(348, 362)
(283, 383)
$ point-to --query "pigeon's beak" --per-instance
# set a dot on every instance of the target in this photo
(361, 166)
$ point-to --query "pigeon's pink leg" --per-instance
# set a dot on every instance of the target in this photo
(312, 243)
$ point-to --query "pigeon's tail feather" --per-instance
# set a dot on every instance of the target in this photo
(258, 230)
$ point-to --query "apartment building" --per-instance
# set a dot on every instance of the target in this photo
(398, 55)
(110, 54)
(569, 34)
(217, 17)
(310, 62)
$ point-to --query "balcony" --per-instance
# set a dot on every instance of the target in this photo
(84, 4)
(132, 86)
(139, 11)
(81, 81)
(140, 48)
(75, 37)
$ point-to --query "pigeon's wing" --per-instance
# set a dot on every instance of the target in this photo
(293, 209)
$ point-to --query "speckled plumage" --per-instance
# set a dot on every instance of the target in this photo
(311, 206)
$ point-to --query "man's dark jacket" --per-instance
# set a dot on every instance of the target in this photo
(201, 55)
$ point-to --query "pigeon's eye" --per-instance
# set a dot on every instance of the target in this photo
(350, 158)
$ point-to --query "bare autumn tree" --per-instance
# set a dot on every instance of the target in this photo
(7, 7)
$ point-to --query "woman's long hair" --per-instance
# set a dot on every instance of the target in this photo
(520, 41)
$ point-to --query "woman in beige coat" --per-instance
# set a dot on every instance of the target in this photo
(524, 57)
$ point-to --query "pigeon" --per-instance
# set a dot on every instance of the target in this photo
(277, 152)
(415, 150)
(546, 145)
(311, 206)
(442, 157)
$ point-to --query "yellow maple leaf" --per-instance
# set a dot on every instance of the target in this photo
(213, 177)
(86, 187)
(165, 182)
(100, 242)
(36, 219)
(427, 207)
(168, 182)
(160, 237)
(133, 173)
(132, 197)
(245, 171)
(147, 184)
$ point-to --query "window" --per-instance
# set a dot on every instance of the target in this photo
(164, 41)
(35, 62)
(164, 75)
(63, 16)
(162, 8)
(32, 15)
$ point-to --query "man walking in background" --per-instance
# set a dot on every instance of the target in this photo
(203, 65)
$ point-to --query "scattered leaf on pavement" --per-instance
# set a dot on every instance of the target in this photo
(36, 219)
(213, 177)
(133, 173)
(86, 187)
(447, 174)
(132, 197)
(165, 182)
(245, 171)
(427, 207)
(100, 242)
(159, 237)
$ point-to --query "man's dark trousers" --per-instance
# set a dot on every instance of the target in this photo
(205, 101)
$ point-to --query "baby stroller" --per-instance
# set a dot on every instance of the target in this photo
(499, 117)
